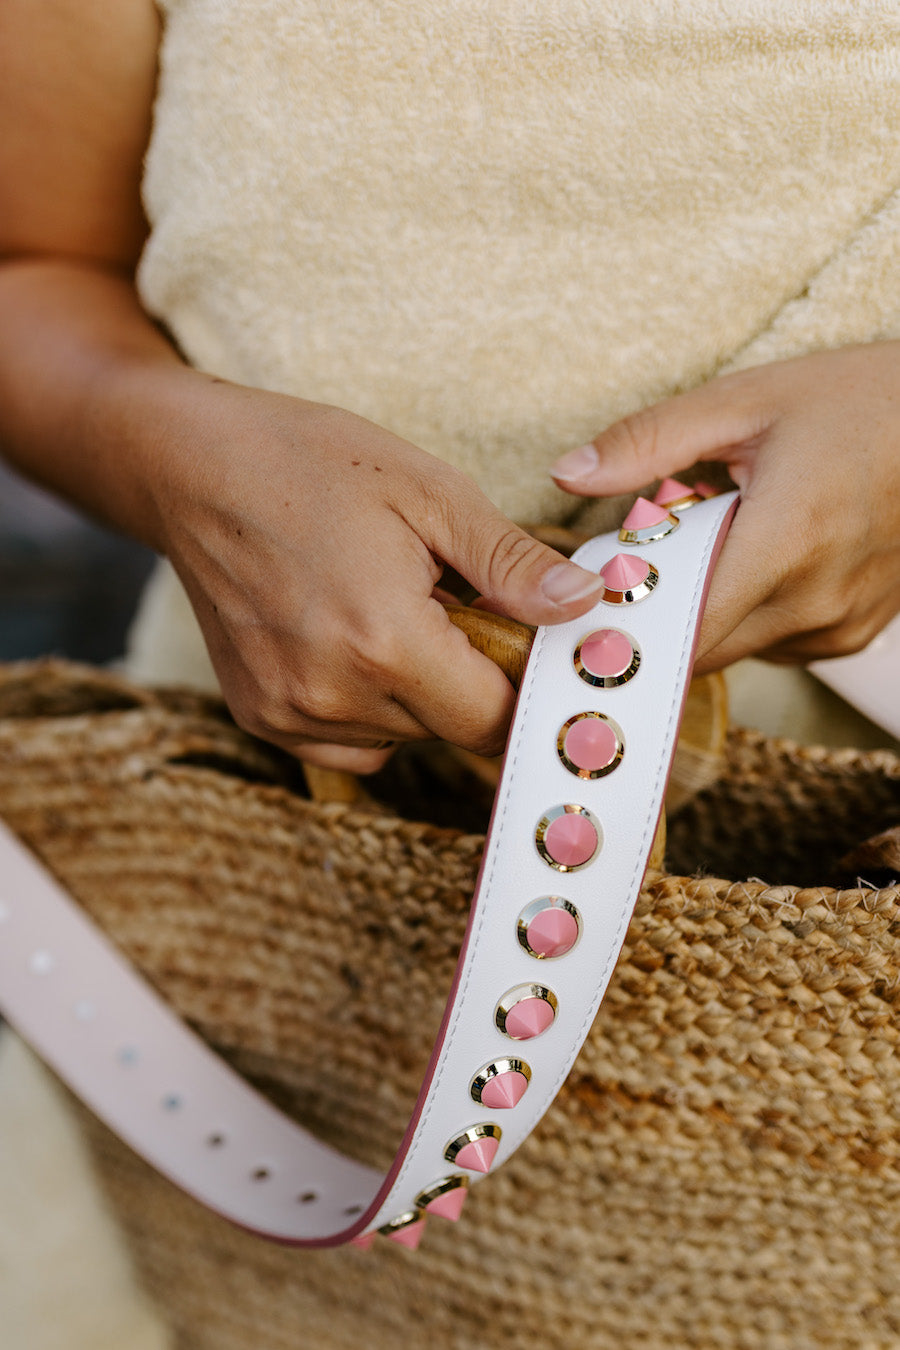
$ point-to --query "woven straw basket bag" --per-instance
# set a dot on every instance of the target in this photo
(721, 1169)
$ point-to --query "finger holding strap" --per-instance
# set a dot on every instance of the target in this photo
(718, 422)
(457, 693)
(811, 567)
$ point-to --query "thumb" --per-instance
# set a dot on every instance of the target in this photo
(713, 422)
(516, 575)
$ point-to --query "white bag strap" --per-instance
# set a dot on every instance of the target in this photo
(579, 798)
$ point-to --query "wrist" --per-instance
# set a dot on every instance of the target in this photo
(79, 359)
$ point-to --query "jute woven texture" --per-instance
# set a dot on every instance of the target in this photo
(722, 1168)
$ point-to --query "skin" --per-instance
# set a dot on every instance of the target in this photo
(811, 566)
(311, 541)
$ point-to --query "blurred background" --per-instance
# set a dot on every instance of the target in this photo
(67, 586)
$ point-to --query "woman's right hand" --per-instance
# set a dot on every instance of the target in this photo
(310, 542)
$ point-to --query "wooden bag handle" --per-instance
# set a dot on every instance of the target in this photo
(508, 644)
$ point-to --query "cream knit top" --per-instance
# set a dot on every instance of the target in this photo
(495, 226)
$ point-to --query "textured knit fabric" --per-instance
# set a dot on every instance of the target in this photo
(494, 228)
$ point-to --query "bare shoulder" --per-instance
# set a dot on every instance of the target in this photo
(77, 79)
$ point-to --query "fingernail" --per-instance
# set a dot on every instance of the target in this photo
(566, 582)
(576, 464)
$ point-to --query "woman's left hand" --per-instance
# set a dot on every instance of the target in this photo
(811, 566)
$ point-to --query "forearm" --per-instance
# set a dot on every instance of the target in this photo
(81, 369)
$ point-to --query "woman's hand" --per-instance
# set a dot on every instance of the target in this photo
(310, 542)
(811, 566)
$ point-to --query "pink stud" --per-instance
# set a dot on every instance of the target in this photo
(647, 521)
(475, 1148)
(528, 1018)
(524, 1012)
(671, 491)
(501, 1084)
(570, 840)
(624, 572)
(552, 931)
(644, 513)
(410, 1235)
(504, 1090)
(590, 745)
(607, 658)
(627, 578)
(363, 1241)
(606, 652)
(478, 1154)
(705, 489)
(449, 1204)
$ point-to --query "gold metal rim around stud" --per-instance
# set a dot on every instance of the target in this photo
(442, 1187)
(631, 597)
(493, 1070)
(608, 681)
(518, 995)
(648, 534)
(547, 819)
(536, 907)
(682, 503)
(409, 1216)
(471, 1136)
(604, 768)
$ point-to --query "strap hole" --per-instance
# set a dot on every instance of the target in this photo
(307, 1198)
(128, 1056)
(216, 1140)
(173, 1102)
(260, 1174)
(353, 1210)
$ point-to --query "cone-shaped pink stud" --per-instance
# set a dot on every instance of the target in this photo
(504, 1090)
(591, 744)
(705, 489)
(527, 1018)
(624, 572)
(553, 932)
(606, 653)
(478, 1154)
(450, 1204)
(644, 513)
(410, 1235)
(363, 1240)
(571, 840)
(670, 490)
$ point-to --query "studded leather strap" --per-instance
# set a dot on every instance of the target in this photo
(575, 813)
